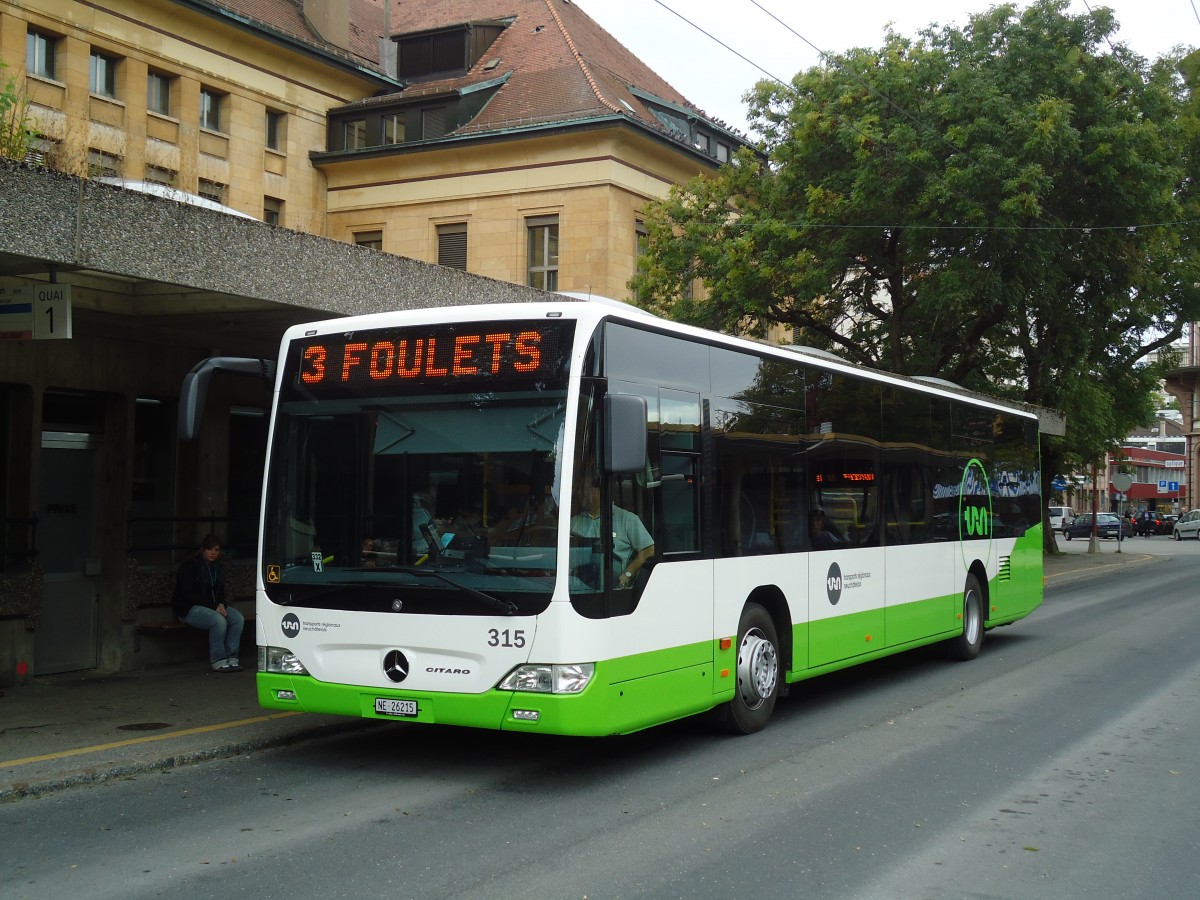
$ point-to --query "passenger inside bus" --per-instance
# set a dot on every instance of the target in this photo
(819, 533)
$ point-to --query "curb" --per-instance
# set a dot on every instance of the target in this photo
(19, 790)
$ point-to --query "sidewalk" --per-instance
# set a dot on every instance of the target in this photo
(1074, 562)
(65, 730)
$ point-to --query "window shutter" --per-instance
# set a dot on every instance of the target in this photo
(452, 246)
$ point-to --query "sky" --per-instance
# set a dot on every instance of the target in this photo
(715, 78)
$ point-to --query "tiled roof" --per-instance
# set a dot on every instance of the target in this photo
(286, 17)
(562, 66)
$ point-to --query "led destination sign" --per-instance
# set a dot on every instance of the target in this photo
(444, 355)
(839, 477)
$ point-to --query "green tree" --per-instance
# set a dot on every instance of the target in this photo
(1010, 205)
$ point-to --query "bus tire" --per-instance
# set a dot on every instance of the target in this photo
(967, 645)
(758, 674)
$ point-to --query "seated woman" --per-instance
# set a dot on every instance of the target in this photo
(199, 600)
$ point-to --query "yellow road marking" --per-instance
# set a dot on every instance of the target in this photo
(143, 740)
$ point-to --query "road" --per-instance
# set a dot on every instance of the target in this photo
(1060, 764)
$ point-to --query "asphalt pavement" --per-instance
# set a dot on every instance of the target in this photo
(62, 731)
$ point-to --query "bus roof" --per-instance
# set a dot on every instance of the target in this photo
(594, 308)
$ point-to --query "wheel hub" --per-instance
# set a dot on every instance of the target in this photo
(758, 668)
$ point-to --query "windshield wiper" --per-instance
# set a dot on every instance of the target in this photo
(504, 607)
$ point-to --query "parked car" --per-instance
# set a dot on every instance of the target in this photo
(1148, 522)
(1188, 526)
(1169, 520)
(1108, 525)
(1060, 516)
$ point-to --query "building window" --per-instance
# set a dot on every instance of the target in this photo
(440, 54)
(212, 190)
(210, 109)
(160, 175)
(272, 211)
(452, 245)
(40, 149)
(102, 164)
(354, 134)
(722, 152)
(39, 54)
(433, 123)
(543, 252)
(688, 292)
(372, 240)
(158, 93)
(276, 130)
(393, 128)
(103, 75)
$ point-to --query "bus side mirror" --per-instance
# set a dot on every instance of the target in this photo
(624, 433)
(194, 391)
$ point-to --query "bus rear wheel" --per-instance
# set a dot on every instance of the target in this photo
(967, 645)
(758, 674)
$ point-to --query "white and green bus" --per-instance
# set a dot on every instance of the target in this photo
(573, 517)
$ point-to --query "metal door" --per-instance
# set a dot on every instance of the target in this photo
(67, 639)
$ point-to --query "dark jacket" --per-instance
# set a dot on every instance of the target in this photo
(198, 583)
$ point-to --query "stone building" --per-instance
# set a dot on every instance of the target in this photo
(1184, 385)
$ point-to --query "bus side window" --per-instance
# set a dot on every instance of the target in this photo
(680, 529)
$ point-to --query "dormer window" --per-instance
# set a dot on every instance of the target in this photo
(445, 53)
(688, 126)
(436, 55)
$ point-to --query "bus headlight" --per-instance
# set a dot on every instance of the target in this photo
(280, 660)
(549, 679)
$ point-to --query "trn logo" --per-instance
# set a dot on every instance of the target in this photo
(977, 521)
(290, 625)
(833, 584)
(974, 503)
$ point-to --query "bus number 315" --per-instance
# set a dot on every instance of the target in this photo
(506, 638)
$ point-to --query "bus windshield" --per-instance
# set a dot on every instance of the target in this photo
(422, 493)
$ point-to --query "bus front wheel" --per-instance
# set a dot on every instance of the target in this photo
(967, 645)
(758, 674)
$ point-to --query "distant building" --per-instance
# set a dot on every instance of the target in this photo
(1165, 434)
(1155, 456)
(1159, 479)
(1184, 385)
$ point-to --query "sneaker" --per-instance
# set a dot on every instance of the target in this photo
(220, 665)
(234, 666)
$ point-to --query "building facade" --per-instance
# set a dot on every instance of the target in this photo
(512, 139)
(1159, 480)
(1184, 385)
